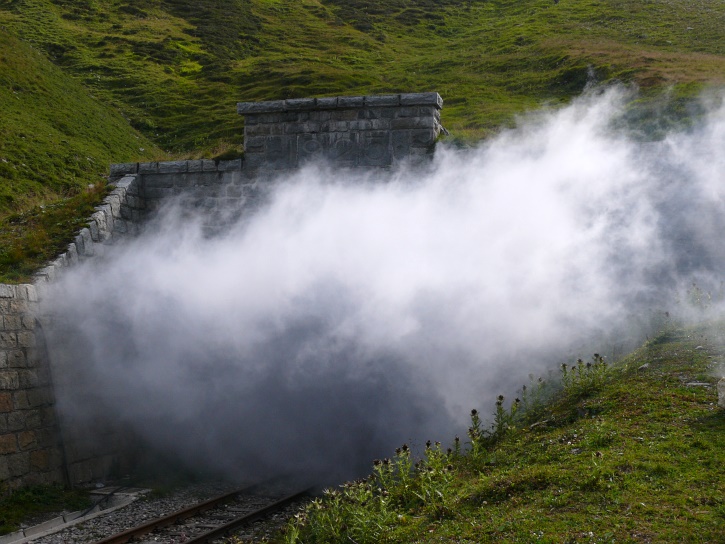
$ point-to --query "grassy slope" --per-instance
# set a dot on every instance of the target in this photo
(174, 69)
(56, 142)
(640, 458)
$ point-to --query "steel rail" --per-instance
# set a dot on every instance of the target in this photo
(228, 528)
(175, 517)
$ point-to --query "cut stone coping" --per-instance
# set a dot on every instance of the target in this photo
(119, 500)
(341, 102)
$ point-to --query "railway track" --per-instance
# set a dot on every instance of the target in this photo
(210, 520)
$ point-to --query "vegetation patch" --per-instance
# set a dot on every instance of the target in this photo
(627, 452)
(26, 504)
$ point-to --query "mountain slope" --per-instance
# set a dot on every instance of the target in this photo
(174, 69)
(56, 142)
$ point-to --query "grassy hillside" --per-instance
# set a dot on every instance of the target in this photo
(57, 142)
(630, 453)
(79, 76)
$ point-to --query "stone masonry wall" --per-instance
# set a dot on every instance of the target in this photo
(377, 132)
(30, 445)
(35, 446)
(348, 131)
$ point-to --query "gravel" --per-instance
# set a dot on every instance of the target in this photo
(147, 509)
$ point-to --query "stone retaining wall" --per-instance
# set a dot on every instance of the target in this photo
(35, 447)
(376, 132)
(30, 445)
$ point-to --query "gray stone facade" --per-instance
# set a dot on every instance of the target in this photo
(347, 131)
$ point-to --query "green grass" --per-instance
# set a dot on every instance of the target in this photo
(618, 454)
(30, 503)
(84, 83)
(57, 141)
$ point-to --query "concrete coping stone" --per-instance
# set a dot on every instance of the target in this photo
(339, 102)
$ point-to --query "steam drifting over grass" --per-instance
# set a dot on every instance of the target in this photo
(347, 316)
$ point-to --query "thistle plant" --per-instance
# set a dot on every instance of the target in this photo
(583, 378)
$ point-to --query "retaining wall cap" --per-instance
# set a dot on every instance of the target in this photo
(306, 104)
(121, 169)
(421, 99)
(260, 107)
(7, 291)
(383, 100)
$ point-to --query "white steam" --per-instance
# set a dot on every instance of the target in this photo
(348, 316)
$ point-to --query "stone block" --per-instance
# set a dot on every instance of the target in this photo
(350, 101)
(122, 169)
(344, 115)
(362, 125)
(194, 166)
(156, 181)
(40, 460)
(255, 144)
(327, 103)
(41, 396)
(296, 104)
(244, 108)
(254, 161)
(9, 380)
(228, 166)
(19, 464)
(6, 402)
(29, 321)
(173, 167)
(11, 322)
(72, 254)
(47, 437)
(8, 444)
(338, 126)
(148, 168)
(320, 116)
(3, 359)
(17, 359)
(298, 128)
(376, 149)
(7, 291)
(29, 378)
(413, 123)
(88, 249)
(8, 340)
(382, 100)
(297, 117)
(27, 441)
(421, 99)
(26, 339)
(95, 231)
(20, 400)
(208, 166)
(258, 130)
(16, 421)
(47, 416)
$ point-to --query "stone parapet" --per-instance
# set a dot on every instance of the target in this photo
(377, 131)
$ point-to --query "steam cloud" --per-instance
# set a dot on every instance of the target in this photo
(347, 317)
